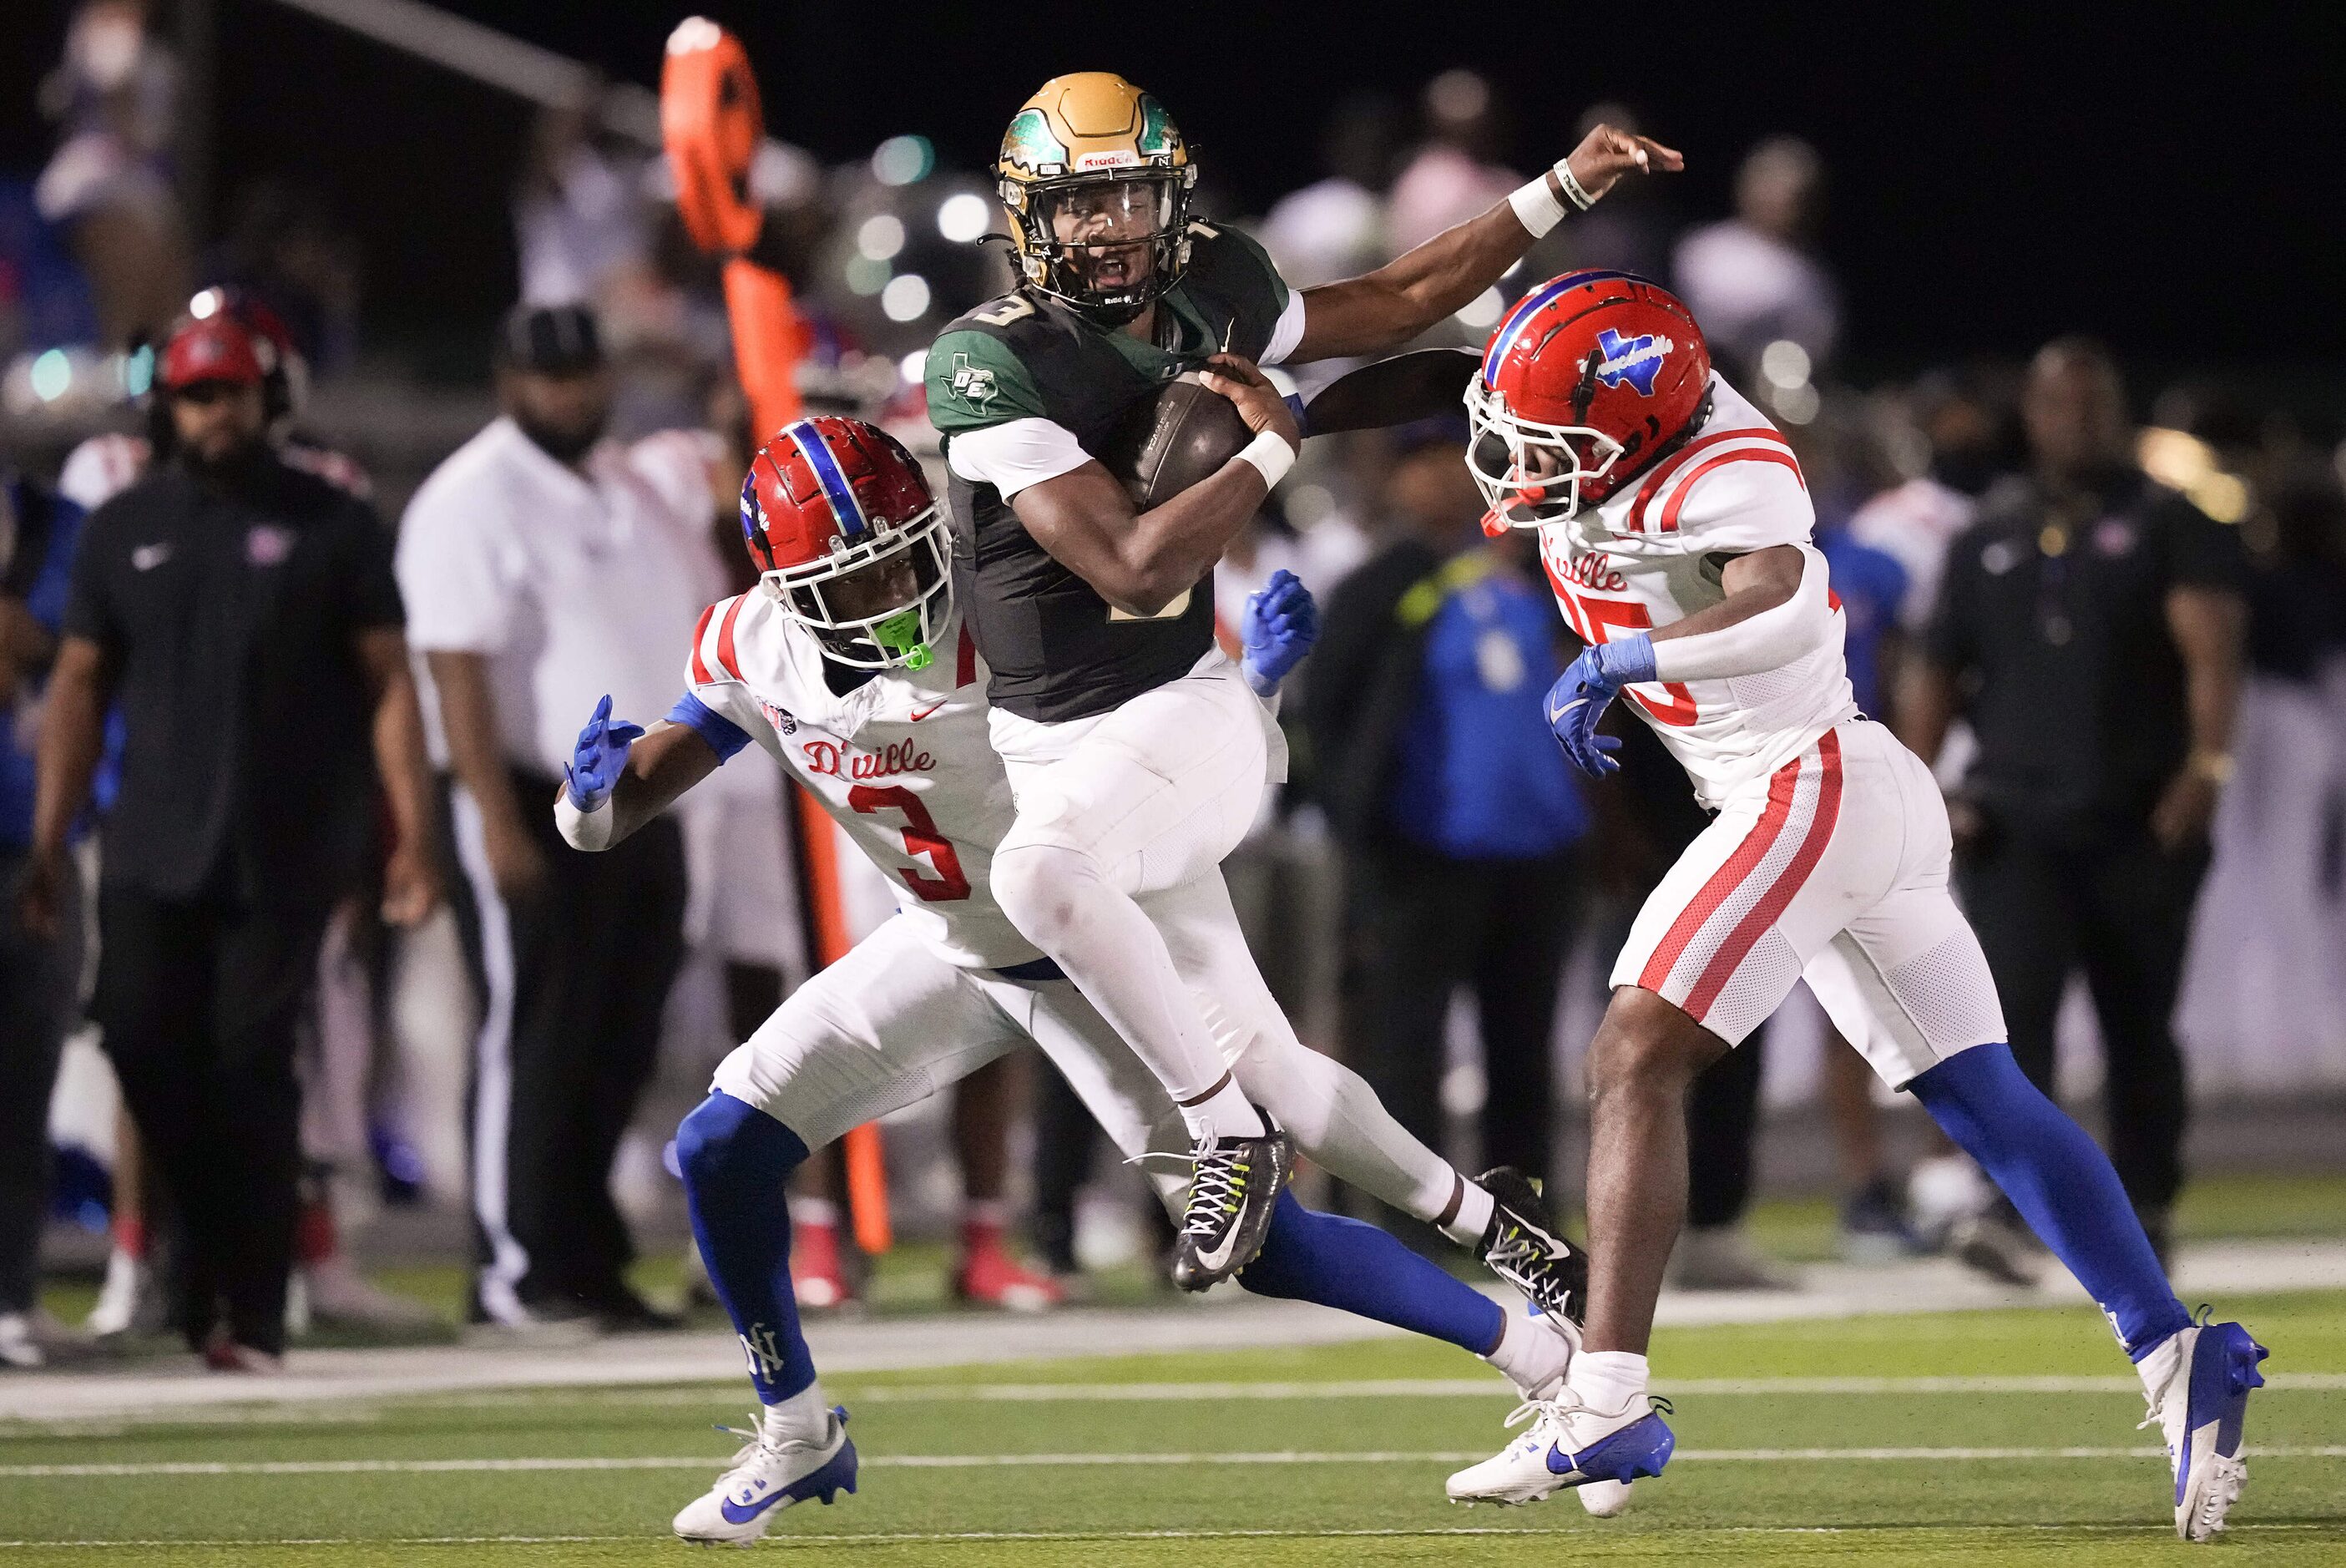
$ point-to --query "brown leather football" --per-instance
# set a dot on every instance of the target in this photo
(1172, 438)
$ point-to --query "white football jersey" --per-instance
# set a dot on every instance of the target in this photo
(903, 763)
(1653, 554)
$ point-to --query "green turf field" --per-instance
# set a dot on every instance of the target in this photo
(1968, 1438)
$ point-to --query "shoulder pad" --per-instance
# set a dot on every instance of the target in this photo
(714, 659)
(976, 375)
(1732, 490)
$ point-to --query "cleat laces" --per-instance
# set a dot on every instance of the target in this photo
(1218, 1184)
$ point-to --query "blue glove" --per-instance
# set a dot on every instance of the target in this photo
(1277, 626)
(1581, 694)
(598, 759)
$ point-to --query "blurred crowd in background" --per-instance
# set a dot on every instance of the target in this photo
(1510, 911)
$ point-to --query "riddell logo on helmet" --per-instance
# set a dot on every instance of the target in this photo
(1113, 157)
(1636, 361)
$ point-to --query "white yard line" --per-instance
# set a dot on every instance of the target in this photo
(1084, 1460)
(942, 1537)
(1228, 1321)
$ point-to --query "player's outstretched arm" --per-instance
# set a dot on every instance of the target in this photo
(1381, 310)
(1141, 562)
(620, 776)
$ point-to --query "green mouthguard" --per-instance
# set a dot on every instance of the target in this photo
(901, 633)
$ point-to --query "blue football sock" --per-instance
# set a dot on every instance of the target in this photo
(1354, 1267)
(2061, 1182)
(736, 1163)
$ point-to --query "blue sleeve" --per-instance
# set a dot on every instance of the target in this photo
(724, 736)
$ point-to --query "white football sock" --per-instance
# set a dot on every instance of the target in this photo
(1533, 1356)
(1227, 1113)
(1062, 900)
(2157, 1368)
(1608, 1381)
(804, 1417)
(1339, 1123)
(1476, 1208)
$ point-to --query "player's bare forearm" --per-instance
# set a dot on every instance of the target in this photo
(398, 733)
(2209, 625)
(73, 738)
(667, 762)
(1138, 562)
(1381, 310)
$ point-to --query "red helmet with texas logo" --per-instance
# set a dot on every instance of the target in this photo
(1592, 377)
(850, 541)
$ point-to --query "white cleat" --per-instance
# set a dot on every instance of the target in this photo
(1568, 1445)
(771, 1473)
(2198, 1389)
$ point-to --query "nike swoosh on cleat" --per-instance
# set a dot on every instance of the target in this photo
(736, 1513)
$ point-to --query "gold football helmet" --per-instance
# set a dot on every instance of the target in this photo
(1097, 179)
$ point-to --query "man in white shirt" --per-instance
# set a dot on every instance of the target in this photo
(548, 566)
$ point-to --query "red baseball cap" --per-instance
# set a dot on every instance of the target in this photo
(215, 348)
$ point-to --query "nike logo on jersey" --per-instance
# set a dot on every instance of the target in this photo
(147, 557)
(921, 713)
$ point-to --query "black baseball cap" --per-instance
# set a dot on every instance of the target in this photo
(550, 340)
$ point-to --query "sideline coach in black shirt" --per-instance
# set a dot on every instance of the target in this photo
(2090, 628)
(244, 617)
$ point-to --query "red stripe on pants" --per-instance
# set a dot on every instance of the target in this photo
(1772, 904)
(1723, 881)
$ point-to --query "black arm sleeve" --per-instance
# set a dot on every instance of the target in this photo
(1947, 642)
(2201, 553)
(90, 602)
(370, 589)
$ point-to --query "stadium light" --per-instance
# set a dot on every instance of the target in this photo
(964, 216)
(881, 237)
(1785, 363)
(901, 159)
(905, 299)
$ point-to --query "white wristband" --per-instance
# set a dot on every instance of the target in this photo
(1270, 455)
(583, 829)
(1536, 206)
(1574, 191)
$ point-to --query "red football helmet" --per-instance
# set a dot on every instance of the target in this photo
(287, 384)
(215, 348)
(848, 540)
(1591, 378)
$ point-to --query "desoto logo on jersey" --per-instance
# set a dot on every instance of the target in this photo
(973, 384)
(784, 721)
(1636, 361)
(833, 761)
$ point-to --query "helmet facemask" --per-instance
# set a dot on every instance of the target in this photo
(880, 604)
(1530, 473)
(1108, 247)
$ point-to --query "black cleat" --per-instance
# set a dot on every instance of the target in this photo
(1526, 1247)
(1234, 1184)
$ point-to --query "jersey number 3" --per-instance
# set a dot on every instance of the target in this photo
(921, 839)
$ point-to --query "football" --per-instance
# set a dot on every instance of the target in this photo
(1172, 438)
